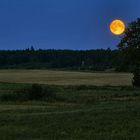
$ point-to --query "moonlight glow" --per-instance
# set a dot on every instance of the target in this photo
(117, 27)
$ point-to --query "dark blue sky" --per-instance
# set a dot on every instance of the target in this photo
(62, 24)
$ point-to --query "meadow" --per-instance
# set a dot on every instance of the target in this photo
(65, 77)
(68, 111)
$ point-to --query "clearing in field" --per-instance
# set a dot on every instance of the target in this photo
(65, 77)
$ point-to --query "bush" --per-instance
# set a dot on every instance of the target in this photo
(39, 92)
(33, 92)
(9, 97)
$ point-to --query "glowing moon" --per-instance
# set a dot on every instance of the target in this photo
(117, 27)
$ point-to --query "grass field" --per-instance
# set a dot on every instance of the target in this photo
(76, 113)
(81, 106)
(65, 78)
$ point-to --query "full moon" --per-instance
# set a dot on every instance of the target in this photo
(117, 27)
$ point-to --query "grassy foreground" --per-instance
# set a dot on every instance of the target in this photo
(75, 113)
(65, 77)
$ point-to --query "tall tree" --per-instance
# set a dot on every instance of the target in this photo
(130, 46)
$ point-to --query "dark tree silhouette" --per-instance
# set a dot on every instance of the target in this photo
(32, 48)
(130, 46)
(96, 60)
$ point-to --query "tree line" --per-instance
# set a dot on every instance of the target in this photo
(97, 60)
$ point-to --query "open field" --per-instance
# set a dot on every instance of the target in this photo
(80, 106)
(65, 78)
(77, 113)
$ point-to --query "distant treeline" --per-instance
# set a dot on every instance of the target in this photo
(97, 60)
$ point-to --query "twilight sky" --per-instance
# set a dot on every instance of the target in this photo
(62, 24)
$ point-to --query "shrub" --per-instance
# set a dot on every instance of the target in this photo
(33, 92)
(39, 92)
(9, 97)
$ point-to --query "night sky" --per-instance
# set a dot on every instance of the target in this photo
(62, 24)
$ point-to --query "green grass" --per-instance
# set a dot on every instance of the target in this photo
(77, 113)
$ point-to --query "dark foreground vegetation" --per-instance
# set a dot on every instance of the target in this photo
(69, 112)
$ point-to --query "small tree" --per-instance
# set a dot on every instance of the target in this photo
(130, 46)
